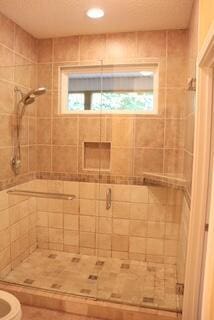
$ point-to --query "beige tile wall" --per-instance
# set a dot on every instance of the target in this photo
(18, 57)
(190, 107)
(142, 223)
(162, 143)
(17, 229)
(139, 143)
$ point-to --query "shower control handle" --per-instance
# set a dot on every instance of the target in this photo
(108, 199)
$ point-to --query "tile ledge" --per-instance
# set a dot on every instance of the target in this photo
(83, 305)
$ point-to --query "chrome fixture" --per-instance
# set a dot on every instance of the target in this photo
(191, 84)
(35, 194)
(25, 100)
(180, 289)
(108, 199)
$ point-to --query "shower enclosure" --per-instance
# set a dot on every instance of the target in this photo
(105, 214)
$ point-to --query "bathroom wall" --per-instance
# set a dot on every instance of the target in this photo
(17, 229)
(18, 55)
(142, 223)
(206, 19)
(152, 143)
(190, 106)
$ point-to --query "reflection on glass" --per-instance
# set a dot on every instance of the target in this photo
(126, 91)
(130, 101)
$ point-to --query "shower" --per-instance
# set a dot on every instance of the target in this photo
(25, 100)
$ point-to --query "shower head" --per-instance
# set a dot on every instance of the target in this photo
(39, 91)
(27, 98)
(30, 97)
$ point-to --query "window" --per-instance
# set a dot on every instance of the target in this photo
(115, 90)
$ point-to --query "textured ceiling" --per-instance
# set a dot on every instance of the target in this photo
(56, 18)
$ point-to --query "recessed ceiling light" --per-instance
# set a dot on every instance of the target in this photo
(95, 13)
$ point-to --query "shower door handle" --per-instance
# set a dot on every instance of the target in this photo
(108, 199)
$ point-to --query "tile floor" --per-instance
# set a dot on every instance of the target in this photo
(130, 282)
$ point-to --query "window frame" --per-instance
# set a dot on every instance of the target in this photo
(64, 73)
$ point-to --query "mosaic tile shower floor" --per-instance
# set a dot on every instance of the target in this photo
(130, 282)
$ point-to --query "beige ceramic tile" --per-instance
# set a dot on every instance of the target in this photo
(104, 225)
(70, 50)
(87, 190)
(121, 209)
(148, 160)
(55, 235)
(121, 161)
(87, 239)
(121, 226)
(121, 45)
(177, 43)
(139, 211)
(137, 245)
(87, 223)
(151, 44)
(156, 230)
(174, 134)
(45, 76)
(149, 133)
(71, 222)
(65, 159)
(55, 220)
(6, 92)
(65, 131)
(7, 63)
(139, 194)
(174, 161)
(44, 131)
(155, 246)
(122, 132)
(92, 47)
(104, 241)
(120, 243)
(138, 228)
(7, 28)
(45, 47)
(71, 237)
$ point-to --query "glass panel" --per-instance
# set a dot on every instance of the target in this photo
(138, 224)
(119, 240)
(53, 241)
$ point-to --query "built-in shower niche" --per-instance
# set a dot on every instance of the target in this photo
(96, 156)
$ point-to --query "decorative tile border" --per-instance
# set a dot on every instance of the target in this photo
(19, 179)
(147, 179)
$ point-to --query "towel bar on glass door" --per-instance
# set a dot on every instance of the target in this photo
(36, 194)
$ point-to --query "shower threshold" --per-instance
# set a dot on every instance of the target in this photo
(127, 282)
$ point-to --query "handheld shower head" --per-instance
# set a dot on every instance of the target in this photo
(28, 99)
(39, 91)
(31, 95)
(25, 100)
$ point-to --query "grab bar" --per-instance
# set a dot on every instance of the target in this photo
(108, 199)
(36, 194)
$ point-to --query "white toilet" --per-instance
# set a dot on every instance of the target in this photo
(10, 308)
